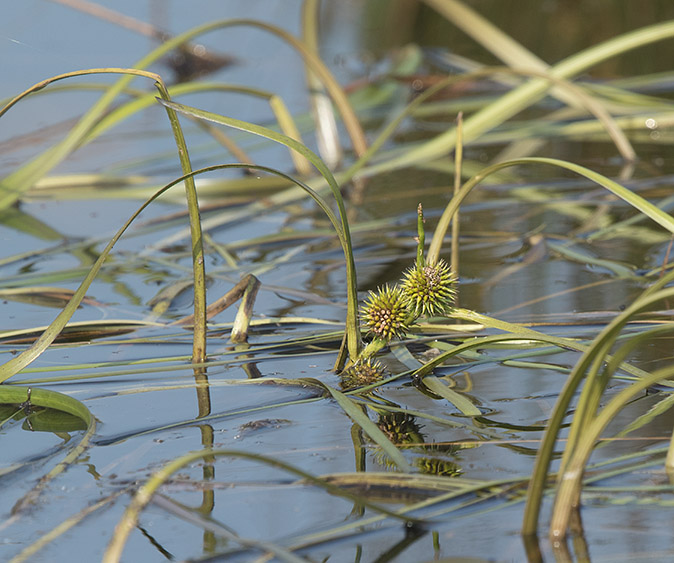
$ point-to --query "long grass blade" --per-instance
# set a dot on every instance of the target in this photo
(544, 457)
(636, 201)
(571, 478)
(352, 325)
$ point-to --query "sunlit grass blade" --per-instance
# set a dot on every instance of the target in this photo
(518, 99)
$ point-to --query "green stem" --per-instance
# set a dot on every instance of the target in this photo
(198, 268)
(421, 238)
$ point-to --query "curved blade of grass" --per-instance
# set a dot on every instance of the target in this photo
(571, 478)
(17, 363)
(623, 193)
(144, 494)
(283, 117)
(58, 401)
(352, 325)
(544, 457)
(457, 399)
(199, 339)
(527, 94)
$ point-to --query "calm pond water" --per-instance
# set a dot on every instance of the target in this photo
(141, 389)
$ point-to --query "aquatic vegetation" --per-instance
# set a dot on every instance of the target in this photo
(386, 314)
(363, 372)
(430, 290)
(451, 370)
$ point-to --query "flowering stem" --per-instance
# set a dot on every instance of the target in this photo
(421, 238)
(372, 348)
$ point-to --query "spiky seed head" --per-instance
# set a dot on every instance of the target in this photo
(385, 313)
(430, 290)
(362, 373)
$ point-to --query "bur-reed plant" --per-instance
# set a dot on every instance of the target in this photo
(395, 312)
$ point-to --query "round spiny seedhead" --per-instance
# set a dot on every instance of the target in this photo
(385, 313)
(430, 290)
(362, 373)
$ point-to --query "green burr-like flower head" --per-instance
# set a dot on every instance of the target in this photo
(385, 313)
(430, 290)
